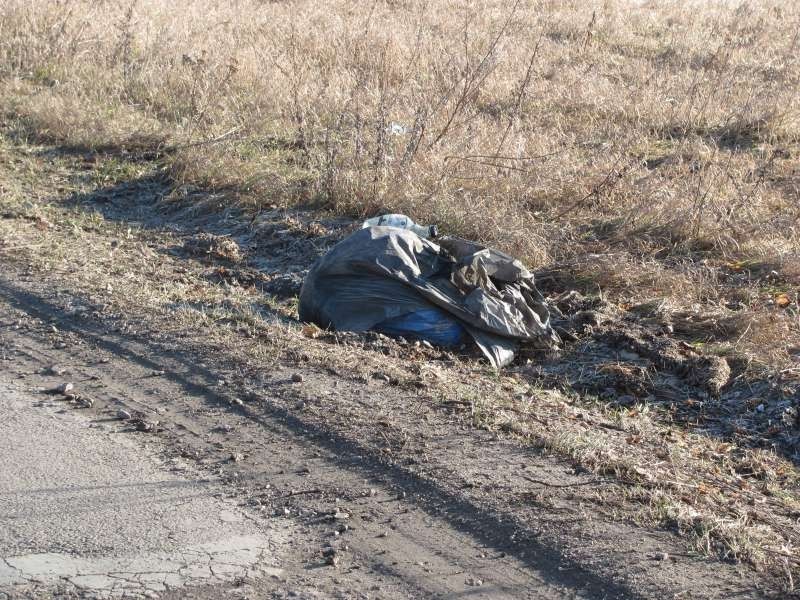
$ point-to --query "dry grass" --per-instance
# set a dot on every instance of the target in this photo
(638, 149)
(548, 128)
(662, 136)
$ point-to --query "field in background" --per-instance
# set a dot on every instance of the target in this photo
(549, 128)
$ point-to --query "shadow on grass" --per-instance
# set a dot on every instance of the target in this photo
(135, 148)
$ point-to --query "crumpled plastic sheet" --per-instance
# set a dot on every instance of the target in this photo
(382, 273)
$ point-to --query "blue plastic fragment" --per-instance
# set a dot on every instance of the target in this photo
(432, 324)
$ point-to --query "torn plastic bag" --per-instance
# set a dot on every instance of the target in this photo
(380, 274)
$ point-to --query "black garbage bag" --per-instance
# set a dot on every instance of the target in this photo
(381, 275)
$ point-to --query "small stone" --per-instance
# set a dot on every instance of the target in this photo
(662, 556)
(65, 388)
(56, 370)
(157, 373)
(237, 457)
(123, 414)
(297, 378)
(340, 515)
(237, 402)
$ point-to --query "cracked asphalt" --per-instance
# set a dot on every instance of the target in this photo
(88, 511)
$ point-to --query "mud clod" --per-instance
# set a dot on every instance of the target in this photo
(213, 246)
(711, 373)
(284, 285)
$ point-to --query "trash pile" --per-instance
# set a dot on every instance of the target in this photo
(391, 278)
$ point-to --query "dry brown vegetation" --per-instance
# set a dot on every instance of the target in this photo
(647, 148)
(644, 150)
(553, 129)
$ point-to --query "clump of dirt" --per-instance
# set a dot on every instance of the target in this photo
(708, 326)
(218, 247)
(709, 372)
(284, 285)
(572, 302)
(237, 277)
(280, 285)
(623, 383)
(401, 348)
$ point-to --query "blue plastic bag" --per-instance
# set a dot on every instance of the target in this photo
(431, 324)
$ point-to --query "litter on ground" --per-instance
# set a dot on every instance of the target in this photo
(391, 280)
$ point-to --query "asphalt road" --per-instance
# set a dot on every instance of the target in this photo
(89, 510)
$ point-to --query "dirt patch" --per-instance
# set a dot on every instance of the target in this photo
(207, 245)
